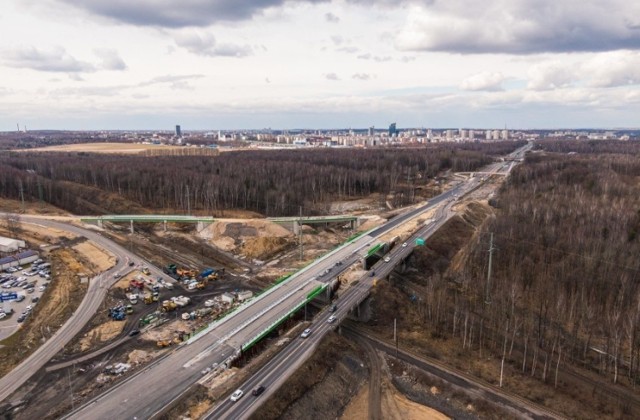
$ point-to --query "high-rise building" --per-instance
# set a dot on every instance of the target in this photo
(371, 131)
(178, 131)
(392, 129)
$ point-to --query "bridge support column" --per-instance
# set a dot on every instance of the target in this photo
(131, 226)
(296, 227)
(200, 226)
(164, 225)
(100, 224)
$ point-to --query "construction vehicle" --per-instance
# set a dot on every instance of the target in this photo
(149, 318)
(163, 343)
(136, 284)
(145, 270)
(129, 309)
(201, 285)
(168, 306)
(186, 272)
(133, 298)
(155, 296)
(148, 299)
(181, 301)
(117, 313)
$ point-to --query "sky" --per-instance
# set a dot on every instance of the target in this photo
(253, 64)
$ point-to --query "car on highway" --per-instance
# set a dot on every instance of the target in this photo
(257, 390)
(404, 245)
(236, 395)
(2, 315)
(306, 333)
(387, 259)
(134, 332)
(331, 319)
(116, 275)
(334, 307)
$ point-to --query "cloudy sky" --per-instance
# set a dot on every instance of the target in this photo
(224, 64)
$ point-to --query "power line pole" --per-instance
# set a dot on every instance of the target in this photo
(22, 197)
(487, 297)
(300, 234)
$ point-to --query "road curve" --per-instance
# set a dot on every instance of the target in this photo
(98, 287)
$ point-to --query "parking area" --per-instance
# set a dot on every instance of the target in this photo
(21, 289)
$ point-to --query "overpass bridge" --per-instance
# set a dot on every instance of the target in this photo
(204, 221)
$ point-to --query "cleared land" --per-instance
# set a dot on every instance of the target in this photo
(127, 148)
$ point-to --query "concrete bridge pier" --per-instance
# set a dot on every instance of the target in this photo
(362, 312)
(131, 226)
(164, 225)
(296, 227)
(200, 226)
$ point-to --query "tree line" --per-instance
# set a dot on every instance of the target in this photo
(565, 277)
(273, 182)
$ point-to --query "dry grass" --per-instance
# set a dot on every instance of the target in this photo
(127, 148)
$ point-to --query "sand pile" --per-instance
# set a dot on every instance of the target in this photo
(256, 239)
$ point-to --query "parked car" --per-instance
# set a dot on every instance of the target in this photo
(237, 395)
(258, 390)
(35, 299)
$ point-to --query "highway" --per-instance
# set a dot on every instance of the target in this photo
(286, 362)
(132, 398)
(96, 292)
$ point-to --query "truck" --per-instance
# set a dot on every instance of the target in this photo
(145, 270)
(181, 301)
(129, 309)
(148, 299)
(133, 298)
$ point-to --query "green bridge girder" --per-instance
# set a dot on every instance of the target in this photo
(160, 218)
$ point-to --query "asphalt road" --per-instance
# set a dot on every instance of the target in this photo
(287, 361)
(96, 292)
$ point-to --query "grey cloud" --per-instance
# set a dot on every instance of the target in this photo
(330, 17)
(337, 39)
(111, 60)
(361, 76)
(56, 60)
(520, 26)
(375, 58)
(331, 76)
(207, 45)
(177, 14)
(350, 50)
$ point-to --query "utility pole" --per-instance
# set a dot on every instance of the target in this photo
(40, 193)
(487, 297)
(188, 201)
(300, 234)
(395, 336)
(22, 197)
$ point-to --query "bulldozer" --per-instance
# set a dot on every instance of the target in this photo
(163, 343)
(168, 306)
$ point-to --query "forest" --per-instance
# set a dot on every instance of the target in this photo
(270, 182)
(565, 275)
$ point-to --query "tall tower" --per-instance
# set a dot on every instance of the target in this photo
(178, 131)
(392, 129)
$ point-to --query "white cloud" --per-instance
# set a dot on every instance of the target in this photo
(620, 68)
(205, 44)
(55, 60)
(552, 75)
(331, 76)
(520, 26)
(111, 60)
(488, 81)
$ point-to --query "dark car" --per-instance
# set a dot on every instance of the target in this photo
(35, 299)
(257, 391)
(134, 332)
(334, 308)
(131, 264)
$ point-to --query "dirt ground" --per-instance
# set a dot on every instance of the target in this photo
(396, 406)
(101, 260)
(30, 207)
(255, 239)
(101, 334)
(127, 148)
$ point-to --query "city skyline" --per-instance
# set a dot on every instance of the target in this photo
(321, 64)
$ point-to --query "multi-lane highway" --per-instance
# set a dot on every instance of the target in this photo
(278, 369)
(173, 374)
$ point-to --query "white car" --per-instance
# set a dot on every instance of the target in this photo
(236, 395)
(331, 319)
(387, 259)
(306, 333)
(2, 315)
(404, 245)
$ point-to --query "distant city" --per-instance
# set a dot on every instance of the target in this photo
(274, 138)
